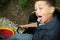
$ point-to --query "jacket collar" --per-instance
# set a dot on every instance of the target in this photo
(50, 25)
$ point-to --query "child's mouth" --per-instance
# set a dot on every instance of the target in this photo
(39, 18)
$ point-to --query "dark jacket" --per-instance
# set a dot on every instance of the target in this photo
(32, 18)
(49, 31)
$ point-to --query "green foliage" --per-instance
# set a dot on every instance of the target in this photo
(3, 2)
(22, 3)
(25, 3)
(57, 3)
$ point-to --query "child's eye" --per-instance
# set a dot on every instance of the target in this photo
(40, 8)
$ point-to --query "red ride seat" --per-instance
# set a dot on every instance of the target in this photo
(6, 32)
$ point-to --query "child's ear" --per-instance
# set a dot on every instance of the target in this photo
(52, 9)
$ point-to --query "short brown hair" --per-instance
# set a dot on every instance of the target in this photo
(50, 2)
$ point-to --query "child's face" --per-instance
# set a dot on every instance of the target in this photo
(43, 11)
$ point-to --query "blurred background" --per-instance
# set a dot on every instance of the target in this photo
(18, 11)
